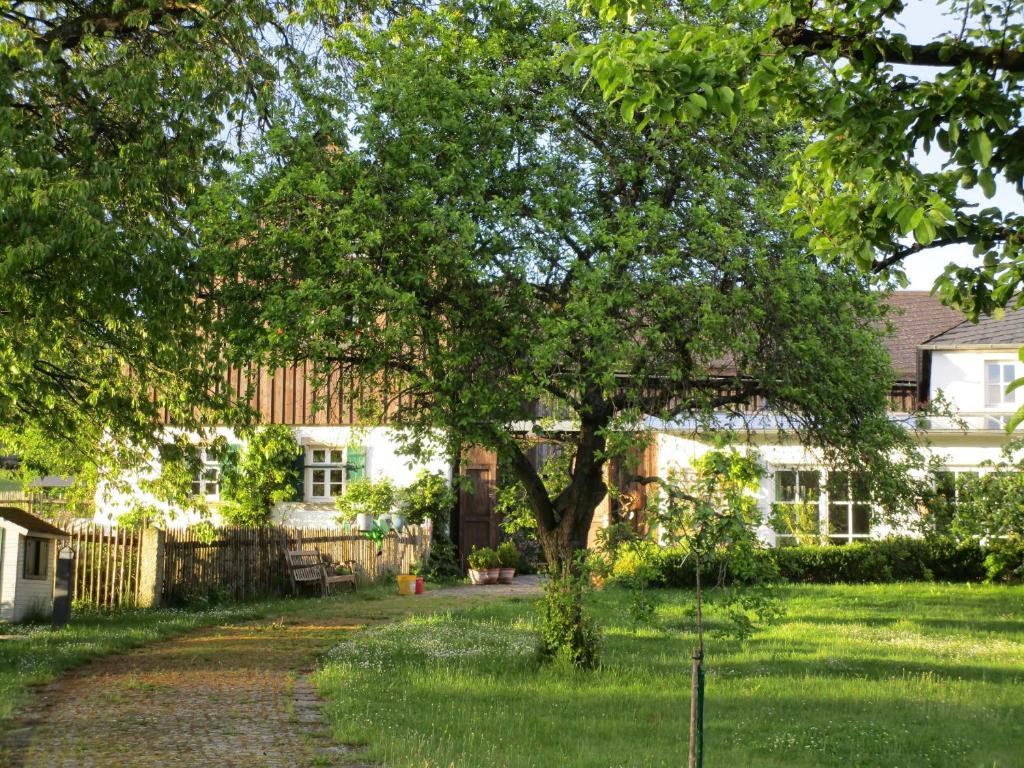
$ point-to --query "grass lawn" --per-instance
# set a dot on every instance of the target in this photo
(889, 675)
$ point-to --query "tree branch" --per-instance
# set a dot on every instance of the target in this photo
(936, 54)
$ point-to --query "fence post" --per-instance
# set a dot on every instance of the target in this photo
(151, 577)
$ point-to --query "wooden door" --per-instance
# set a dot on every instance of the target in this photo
(478, 523)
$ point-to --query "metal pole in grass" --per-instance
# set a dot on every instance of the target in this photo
(697, 682)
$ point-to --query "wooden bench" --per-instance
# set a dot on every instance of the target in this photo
(307, 566)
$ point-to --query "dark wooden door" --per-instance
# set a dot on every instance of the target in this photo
(478, 523)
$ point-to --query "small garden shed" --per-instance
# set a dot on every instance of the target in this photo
(28, 556)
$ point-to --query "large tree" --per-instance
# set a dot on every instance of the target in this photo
(113, 117)
(842, 69)
(480, 233)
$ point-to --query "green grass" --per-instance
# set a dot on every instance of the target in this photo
(895, 675)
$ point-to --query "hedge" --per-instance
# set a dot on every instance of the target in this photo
(881, 561)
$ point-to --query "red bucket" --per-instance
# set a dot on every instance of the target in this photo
(419, 585)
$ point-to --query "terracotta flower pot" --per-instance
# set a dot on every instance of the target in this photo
(477, 577)
(492, 575)
(506, 575)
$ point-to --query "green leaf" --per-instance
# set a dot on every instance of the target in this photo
(981, 148)
(987, 182)
(924, 232)
(908, 218)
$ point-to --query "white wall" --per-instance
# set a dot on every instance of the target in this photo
(960, 376)
(9, 570)
(382, 460)
(20, 596)
(958, 451)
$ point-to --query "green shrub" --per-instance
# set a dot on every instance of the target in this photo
(508, 555)
(442, 564)
(567, 633)
(366, 496)
(1004, 561)
(887, 560)
(429, 497)
(480, 558)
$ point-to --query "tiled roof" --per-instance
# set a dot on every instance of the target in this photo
(30, 523)
(918, 316)
(1007, 330)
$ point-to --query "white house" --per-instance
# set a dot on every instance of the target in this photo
(934, 351)
(28, 559)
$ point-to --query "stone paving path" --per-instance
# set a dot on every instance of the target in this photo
(232, 696)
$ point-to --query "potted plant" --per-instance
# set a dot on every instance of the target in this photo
(508, 559)
(479, 561)
(367, 503)
(493, 567)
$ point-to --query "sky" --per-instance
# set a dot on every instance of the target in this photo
(922, 21)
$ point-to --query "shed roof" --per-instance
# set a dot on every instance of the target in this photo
(917, 317)
(1006, 331)
(30, 523)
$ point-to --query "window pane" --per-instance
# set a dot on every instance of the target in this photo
(336, 489)
(319, 456)
(945, 485)
(319, 476)
(197, 487)
(1008, 374)
(337, 457)
(992, 373)
(861, 487)
(318, 490)
(211, 488)
(838, 486)
(838, 518)
(862, 518)
(785, 485)
(809, 485)
(993, 394)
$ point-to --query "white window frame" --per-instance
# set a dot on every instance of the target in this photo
(849, 503)
(800, 496)
(332, 463)
(208, 474)
(995, 386)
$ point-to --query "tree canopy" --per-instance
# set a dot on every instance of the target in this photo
(113, 118)
(839, 68)
(476, 234)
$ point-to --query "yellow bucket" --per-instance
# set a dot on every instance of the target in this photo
(407, 585)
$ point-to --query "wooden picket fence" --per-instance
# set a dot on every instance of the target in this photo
(244, 563)
(108, 562)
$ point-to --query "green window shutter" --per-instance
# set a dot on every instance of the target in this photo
(300, 476)
(356, 463)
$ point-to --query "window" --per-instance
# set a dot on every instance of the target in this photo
(795, 516)
(37, 558)
(948, 486)
(849, 507)
(206, 481)
(998, 376)
(326, 472)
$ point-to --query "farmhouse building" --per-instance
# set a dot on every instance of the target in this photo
(934, 351)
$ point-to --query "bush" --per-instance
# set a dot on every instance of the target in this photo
(508, 555)
(567, 633)
(1004, 561)
(430, 497)
(364, 496)
(883, 561)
